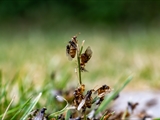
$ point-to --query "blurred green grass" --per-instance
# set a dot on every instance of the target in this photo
(115, 54)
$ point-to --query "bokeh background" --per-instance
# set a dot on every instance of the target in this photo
(124, 36)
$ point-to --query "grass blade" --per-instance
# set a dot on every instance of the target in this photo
(17, 108)
(1, 89)
(0, 78)
(20, 109)
(68, 114)
(30, 108)
(79, 66)
(8, 108)
(61, 111)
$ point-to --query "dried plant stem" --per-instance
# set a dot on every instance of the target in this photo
(79, 65)
(8, 107)
(124, 115)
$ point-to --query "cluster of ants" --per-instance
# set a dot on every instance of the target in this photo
(85, 103)
(85, 106)
(72, 49)
(80, 102)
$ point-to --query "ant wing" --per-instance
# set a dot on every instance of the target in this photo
(91, 114)
(95, 92)
(69, 58)
(81, 104)
(102, 94)
(88, 52)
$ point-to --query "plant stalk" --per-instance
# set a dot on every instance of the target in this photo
(79, 64)
(79, 51)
